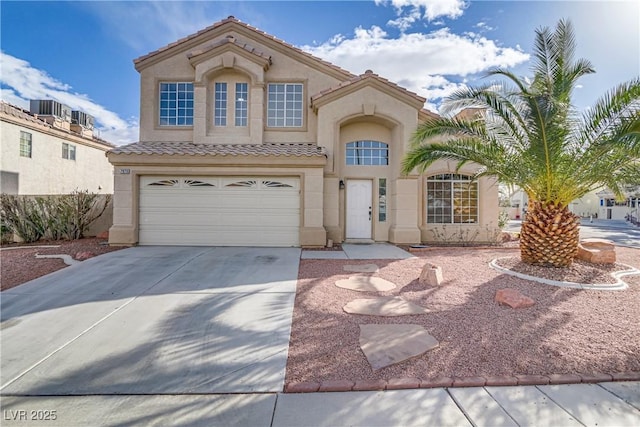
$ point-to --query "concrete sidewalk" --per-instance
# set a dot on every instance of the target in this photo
(604, 404)
(360, 251)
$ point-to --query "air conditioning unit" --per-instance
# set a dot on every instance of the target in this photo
(82, 119)
(48, 107)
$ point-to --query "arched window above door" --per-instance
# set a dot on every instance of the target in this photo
(367, 153)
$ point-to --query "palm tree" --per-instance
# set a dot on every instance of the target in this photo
(531, 136)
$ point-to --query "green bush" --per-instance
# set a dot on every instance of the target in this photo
(54, 217)
(23, 216)
(503, 219)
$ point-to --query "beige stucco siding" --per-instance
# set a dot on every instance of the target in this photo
(231, 64)
(46, 172)
(485, 230)
(129, 171)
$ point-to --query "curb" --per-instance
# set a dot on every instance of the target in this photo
(403, 383)
(620, 285)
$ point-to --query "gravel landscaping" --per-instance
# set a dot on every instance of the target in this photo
(18, 263)
(567, 331)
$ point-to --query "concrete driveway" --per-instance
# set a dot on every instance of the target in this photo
(152, 320)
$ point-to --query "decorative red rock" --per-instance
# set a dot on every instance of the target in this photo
(81, 256)
(103, 235)
(513, 298)
(597, 251)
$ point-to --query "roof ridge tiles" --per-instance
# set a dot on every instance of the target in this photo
(232, 19)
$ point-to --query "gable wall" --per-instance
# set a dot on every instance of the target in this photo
(178, 68)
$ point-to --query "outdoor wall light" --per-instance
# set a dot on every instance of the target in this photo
(341, 185)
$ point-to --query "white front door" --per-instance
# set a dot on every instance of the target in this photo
(359, 209)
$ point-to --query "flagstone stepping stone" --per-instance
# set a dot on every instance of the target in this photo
(384, 306)
(361, 268)
(365, 284)
(385, 345)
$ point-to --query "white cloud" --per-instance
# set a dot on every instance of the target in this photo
(412, 11)
(21, 82)
(421, 62)
(483, 26)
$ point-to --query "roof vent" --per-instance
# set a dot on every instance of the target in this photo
(48, 107)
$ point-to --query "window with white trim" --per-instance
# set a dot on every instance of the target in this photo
(367, 153)
(26, 146)
(452, 199)
(284, 104)
(176, 104)
(68, 151)
(220, 107)
(242, 102)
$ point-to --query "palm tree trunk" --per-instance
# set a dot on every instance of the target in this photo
(549, 236)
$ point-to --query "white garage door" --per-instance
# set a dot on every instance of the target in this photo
(219, 211)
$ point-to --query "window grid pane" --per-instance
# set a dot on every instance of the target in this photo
(382, 199)
(65, 150)
(242, 97)
(284, 105)
(176, 104)
(220, 109)
(452, 199)
(25, 144)
(367, 153)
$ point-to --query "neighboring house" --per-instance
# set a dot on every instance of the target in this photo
(601, 204)
(610, 208)
(247, 140)
(51, 153)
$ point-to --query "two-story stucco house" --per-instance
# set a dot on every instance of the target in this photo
(49, 153)
(247, 140)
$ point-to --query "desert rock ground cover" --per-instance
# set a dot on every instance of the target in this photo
(566, 331)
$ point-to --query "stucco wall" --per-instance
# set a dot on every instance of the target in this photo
(46, 172)
(232, 63)
(485, 230)
(126, 198)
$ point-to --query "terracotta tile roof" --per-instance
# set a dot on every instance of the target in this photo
(229, 40)
(19, 113)
(367, 75)
(232, 19)
(191, 149)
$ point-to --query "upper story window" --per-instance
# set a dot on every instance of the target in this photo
(25, 144)
(176, 104)
(452, 199)
(368, 153)
(220, 107)
(242, 112)
(285, 105)
(68, 151)
(239, 114)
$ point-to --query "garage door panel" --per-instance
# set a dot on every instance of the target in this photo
(225, 211)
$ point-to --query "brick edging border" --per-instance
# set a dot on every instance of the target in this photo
(416, 383)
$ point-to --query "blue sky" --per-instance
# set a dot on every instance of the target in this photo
(81, 53)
